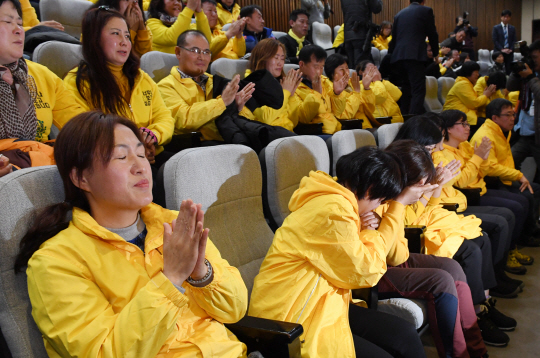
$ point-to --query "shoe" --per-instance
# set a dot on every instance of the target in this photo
(492, 335)
(513, 266)
(530, 241)
(503, 322)
(522, 258)
(503, 277)
(505, 290)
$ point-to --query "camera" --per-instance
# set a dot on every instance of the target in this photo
(518, 66)
(465, 20)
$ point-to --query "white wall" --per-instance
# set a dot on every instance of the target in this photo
(530, 10)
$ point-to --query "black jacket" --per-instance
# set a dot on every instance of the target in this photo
(452, 43)
(411, 27)
(498, 37)
(357, 17)
(292, 47)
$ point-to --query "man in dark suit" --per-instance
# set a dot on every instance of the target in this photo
(409, 50)
(295, 40)
(504, 38)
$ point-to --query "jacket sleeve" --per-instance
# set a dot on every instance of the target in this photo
(162, 123)
(239, 46)
(431, 31)
(225, 298)
(167, 36)
(309, 3)
(267, 114)
(187, 117)
(380, 93)
(65, 106)
(304, 110)
(469, 172)
(392, 227)
(142, 41)
(495, 169)
(29, 15)
(375, 6)
(217, 44)
(71, 86)
(202, 25)
(392, 90)
(495, 36)
(77, 319)
(470, 99)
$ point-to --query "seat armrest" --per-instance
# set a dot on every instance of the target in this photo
(472, 195)
(351, 123)
(384, 120)
(450, 206)
(308, 129)
(271, 338)
(369, 294)
(415, 237)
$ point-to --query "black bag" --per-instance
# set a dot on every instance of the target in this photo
(40, 34)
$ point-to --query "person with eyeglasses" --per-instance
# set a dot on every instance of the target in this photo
(463, 97)
(188, 90)
(168, 19)
(498, 127)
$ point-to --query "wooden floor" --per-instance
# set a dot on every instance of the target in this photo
(525, 340)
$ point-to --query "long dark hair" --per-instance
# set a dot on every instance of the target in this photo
(83, 140)
(103, 92)
(115, 4)
(415, 161)
(156, 7)
(420, 129)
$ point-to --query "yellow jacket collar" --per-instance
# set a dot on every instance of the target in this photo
(176, 75)
(496, 129)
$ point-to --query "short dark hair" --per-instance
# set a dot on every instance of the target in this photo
(463, 56)
(535, 46)
(307, 52)
(332, 62)
(295, 13)
(247, 11)
(498, 79)
(15, 3)
(468, 68)
(450, 117)
(420, 129)
(495, 107)
(461, 29)
(506, 12)
(182, 39)
(415, 161)
(213, 2)
(495, 54)
(451, 33)
(370, 173)
(362, 65)
(435, 118)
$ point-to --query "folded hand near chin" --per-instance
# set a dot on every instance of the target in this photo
(149, 146)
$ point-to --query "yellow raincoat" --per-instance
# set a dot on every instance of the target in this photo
(449, 194)
(462, 96)
(271, 116)
(53, 102)
(318, 255)
(353, 105)
(95, 295)
(222, 47)
(380, 43)
(445, 230)
(146, 105)
(386, 96)
(225, 17)
(471, 166)
(29, 15)
(481, 85)
(340, 38)
(309, 106)
(500, 160)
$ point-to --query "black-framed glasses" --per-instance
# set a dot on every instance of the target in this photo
(197, 51)
(464, 124)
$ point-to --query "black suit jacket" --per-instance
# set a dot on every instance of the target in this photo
(411, 27)
(498, 37)
(292, 47)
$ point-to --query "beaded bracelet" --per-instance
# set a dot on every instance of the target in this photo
(209, 273)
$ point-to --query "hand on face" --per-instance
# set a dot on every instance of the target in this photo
(370, 221)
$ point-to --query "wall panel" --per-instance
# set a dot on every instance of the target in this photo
(483, 14)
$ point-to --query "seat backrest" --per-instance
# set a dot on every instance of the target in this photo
(48, 55)
(484, 55)
(227, 181)
(69, 13)
(21, 194)
(376, 54)
(431, 101)
(490, 56)
(225, 67)
(290, 66)
(345, 142)
(285, 162)
(336, 30)
(484, 68)
(278, 34)
(386, 134)
(445, 84)
(322, 35)
(158, 64)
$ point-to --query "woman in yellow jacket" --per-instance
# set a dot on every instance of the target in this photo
(228, 11)
(475, 165)
(30, 18)
(125, 277)
(499, 80)
(384, 36)
(141, 37)
(109, 78)
(462, 95)
(269, 54)
(328, 246)
(167, 21)
(455, 236)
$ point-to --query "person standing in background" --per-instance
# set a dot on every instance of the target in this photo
(409, 51)
(318, 11)
(504, 38)
(358, 28)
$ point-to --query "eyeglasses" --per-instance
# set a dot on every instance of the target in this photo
(198, 51)
(464, 124)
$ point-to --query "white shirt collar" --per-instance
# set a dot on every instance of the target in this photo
(503, 25)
